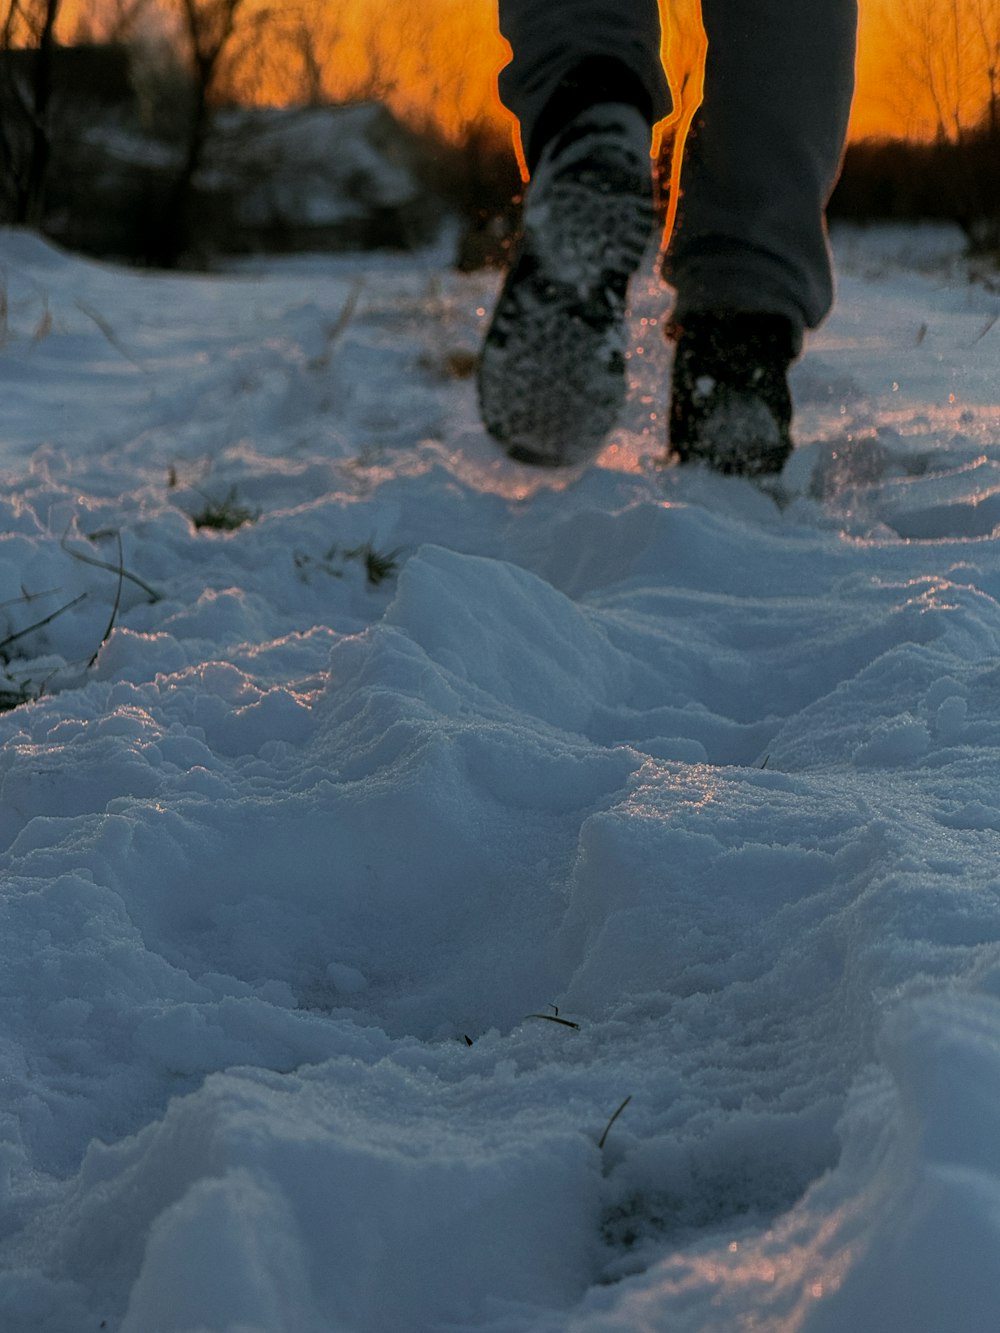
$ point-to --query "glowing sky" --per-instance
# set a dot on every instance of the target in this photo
(439, 57)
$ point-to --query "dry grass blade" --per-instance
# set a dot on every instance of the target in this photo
(607, 1128)
(989, 325)
(27, 597)
(336, 330)
(151, 593)
(118, 601)
(39, 624)
(225, 515)
(44, 326)
(554, 1018)
(379, 565)
(109, 333)
(347, 313)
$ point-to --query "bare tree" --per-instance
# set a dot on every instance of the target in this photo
(28, 46)
(110, 21)
(946, 64)
(947, 82)
(986, 16)
(208, 28)
(281, 53)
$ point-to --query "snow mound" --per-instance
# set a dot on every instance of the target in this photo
(447, 896)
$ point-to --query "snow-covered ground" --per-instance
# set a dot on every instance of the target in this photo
(340, 916)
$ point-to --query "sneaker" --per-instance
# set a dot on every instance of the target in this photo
(730, 406)
(552, 371)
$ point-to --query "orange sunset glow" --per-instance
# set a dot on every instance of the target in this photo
(924, 66)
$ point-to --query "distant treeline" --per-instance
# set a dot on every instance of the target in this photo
(898, 181)
(882, 181)
(132, 160)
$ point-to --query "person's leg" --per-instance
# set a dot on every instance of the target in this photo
(749, 256)
(551, 40)
(763, 157)
(586, 82)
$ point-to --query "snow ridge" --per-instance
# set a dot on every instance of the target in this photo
(298, 874)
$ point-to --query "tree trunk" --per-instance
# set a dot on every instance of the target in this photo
(31, 203)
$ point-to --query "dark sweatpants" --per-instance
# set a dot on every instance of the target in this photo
(766, 145)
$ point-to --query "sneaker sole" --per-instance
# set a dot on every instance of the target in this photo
(552, 373)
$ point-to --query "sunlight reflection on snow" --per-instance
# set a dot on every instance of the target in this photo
(476, 461)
